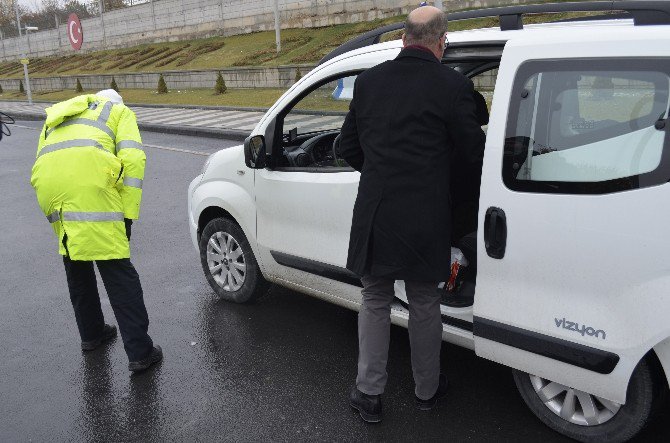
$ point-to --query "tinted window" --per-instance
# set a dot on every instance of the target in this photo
(587, 126)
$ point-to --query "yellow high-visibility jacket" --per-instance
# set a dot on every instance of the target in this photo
(88, 176)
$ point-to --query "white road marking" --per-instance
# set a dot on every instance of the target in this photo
(187, 151)
(24, 127)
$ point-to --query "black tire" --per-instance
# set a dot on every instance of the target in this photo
(628, 421)
(254, 285)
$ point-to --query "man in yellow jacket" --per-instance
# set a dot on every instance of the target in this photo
(88, 179)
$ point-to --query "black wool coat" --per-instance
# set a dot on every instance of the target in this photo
(408, 119)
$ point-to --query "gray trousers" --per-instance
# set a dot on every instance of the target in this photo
(374, 328)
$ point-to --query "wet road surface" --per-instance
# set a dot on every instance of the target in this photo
(278, 370)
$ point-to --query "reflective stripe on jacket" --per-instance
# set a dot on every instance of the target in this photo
(88, 176)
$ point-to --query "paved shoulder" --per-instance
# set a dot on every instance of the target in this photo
(236, 124)
(228, 123)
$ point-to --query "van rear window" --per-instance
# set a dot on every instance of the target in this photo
(588, 126)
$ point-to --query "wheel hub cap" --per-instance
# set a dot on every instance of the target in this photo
(578, 407)
(226, 261)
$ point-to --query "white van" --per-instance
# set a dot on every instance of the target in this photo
(573, 289)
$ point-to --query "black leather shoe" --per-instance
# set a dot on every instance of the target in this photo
(108, 333)
(427, 405)
(368, 406)
(144, 364)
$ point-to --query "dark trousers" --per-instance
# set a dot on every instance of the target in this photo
(125, 295)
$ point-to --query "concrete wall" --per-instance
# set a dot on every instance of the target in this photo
(281, 77)
(278, 77)
(170, 20)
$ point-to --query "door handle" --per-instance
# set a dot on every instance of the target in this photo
(495, 232)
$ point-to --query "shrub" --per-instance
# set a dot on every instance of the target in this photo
(220, 87)
(1, 91)
(298, 74)
(162, 87)
(113, 85)
(78, 88)
(21, 88)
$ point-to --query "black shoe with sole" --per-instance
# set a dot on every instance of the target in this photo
(368, 406)
(144, 364)
(108, 333)
(427, 405)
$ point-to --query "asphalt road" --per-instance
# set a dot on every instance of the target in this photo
(278, 370)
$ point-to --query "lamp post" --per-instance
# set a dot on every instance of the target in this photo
(101, 4)
(277, 25)
(24, 60)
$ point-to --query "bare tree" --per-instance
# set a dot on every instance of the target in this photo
(43, 13)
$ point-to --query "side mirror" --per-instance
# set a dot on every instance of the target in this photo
(254, 151)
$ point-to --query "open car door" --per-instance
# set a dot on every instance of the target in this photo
(569, 235)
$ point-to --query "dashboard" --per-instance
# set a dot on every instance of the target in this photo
(314, 152)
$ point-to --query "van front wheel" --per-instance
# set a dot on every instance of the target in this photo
(585, 417)
(229, 262)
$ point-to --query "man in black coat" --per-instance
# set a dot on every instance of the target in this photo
(409, 118)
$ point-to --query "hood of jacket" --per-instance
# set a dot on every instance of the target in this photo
(57, 113)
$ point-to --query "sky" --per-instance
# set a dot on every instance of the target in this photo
(32, 4)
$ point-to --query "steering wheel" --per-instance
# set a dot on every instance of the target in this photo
(336, 148)
(308, 145)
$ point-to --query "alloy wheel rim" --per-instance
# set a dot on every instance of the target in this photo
(572, 405)
(226, 262)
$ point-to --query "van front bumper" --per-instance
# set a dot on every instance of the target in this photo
(192, 217)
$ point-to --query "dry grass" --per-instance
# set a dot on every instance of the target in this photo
(255, 49)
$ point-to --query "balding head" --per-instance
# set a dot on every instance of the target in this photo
(426, 26)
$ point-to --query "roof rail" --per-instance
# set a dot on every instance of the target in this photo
(643, 12)
(363, 40)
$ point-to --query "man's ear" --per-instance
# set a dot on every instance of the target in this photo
(404, 43)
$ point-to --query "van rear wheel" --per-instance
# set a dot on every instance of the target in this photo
(588, 418)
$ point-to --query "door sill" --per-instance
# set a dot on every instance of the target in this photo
(458, 318)
(464, 298)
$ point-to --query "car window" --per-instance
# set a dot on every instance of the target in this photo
(312, 125)
(322, 109)
(484, 84)
(484, 81)
(587, 126)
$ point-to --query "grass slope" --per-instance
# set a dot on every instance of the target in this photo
(257, 49)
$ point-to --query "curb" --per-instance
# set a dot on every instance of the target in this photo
(194, 131)
(27, 116)
(230, 134)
